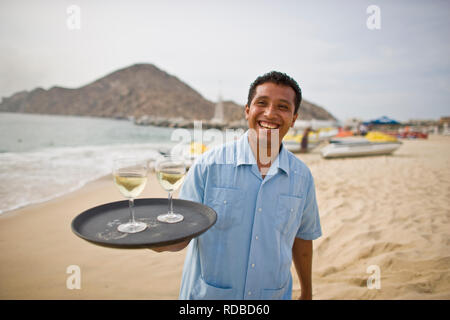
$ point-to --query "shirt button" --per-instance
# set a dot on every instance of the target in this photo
(224, 201)
(256, 237)
(292, 210)
(253, 265)
(249, 293)
(259, 209)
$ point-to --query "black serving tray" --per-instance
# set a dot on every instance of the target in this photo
(98, 225)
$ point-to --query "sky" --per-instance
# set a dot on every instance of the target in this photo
(357, 59)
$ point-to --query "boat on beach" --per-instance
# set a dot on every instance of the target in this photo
(293, 139)
(294, 144)
(373, 144)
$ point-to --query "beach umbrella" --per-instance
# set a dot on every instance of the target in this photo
(383, 120)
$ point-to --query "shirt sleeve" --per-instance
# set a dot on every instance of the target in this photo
(310, 228)
(193, 187)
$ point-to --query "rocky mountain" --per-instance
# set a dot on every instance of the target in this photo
(309, 111)
(136, 91)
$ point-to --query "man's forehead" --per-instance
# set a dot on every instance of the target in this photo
(275, 91)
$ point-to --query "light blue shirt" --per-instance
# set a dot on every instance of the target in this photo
(247, 254)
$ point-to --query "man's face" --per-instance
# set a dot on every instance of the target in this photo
(271, 111)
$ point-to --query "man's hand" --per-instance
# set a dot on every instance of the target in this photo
(306, 296)
(173, 247)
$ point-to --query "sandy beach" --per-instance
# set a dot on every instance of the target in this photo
(391, 213)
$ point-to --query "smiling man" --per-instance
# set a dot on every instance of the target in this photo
(266, 206)
(270, 111)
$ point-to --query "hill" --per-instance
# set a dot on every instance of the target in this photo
(135, 91)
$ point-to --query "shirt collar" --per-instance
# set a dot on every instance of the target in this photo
(244, 155)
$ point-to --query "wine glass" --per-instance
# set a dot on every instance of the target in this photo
(170, 172)
(130, 176)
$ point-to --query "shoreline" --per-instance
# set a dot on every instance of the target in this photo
(57, 198)
(50, 198)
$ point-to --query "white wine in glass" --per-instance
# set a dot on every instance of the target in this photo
(130, 176)
(170, 172)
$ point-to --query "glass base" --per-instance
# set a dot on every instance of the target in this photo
(170, 218)
(132, 227)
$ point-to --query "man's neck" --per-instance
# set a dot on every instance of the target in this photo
(263, 155)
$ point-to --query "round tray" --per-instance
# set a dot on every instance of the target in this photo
(99, 224)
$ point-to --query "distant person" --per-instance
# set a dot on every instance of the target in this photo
(304, 143)
(363, 129)
(267, 210)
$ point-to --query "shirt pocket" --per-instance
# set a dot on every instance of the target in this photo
(227, 202)
(288, 213)
(205, 291)
(285, 292)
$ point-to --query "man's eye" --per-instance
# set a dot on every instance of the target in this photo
(284, 107)
(260, 102)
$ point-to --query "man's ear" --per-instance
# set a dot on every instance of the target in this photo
(294, 119)
(247, 110)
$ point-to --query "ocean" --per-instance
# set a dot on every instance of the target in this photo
(46, 156)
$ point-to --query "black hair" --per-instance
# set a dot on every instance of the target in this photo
(278, 78)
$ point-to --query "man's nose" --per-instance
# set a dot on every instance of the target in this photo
(270, 111)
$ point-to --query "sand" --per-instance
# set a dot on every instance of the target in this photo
(384, 213)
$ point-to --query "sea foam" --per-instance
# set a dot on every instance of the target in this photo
(33, 177)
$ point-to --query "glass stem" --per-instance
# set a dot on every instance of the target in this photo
(131, 203)
(170, 203)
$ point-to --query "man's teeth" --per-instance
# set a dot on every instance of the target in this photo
(268, 125)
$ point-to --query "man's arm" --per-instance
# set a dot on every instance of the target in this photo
(172, 248)
(302, 252)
